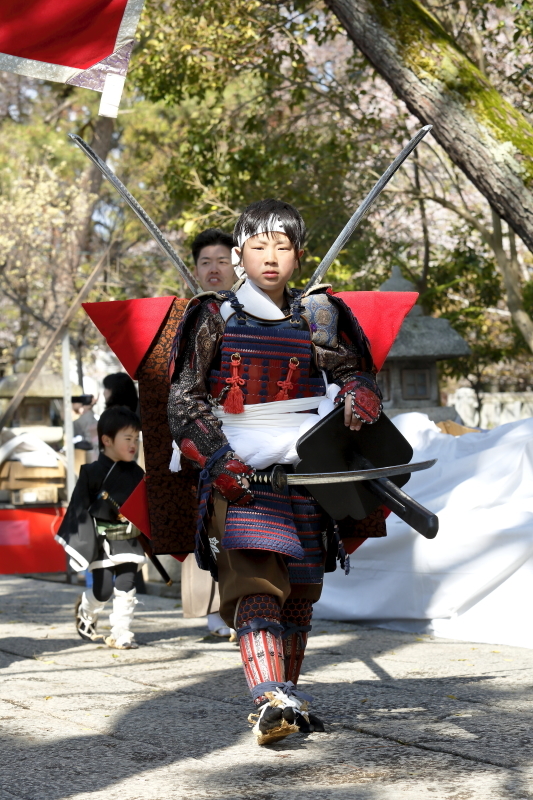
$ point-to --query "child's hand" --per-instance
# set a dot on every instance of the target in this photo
(350, 420)
(362, 402)
(231, 480)
(244, 482)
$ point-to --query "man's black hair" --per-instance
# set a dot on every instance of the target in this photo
(123, 391)
(116, 419)
(209, 237)
(258, 215)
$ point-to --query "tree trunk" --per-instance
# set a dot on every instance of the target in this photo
(480, 131)
(91, 179)
(510, 270)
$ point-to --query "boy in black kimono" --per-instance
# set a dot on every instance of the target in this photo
(98, 538)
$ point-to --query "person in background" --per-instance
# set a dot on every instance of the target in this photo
(85, 432)
(119, 390)
(211, 251)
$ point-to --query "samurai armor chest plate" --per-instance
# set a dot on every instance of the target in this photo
(272, 360)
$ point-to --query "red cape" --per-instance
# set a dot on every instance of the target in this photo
(130, 326)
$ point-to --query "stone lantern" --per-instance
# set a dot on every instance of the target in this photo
(409, 378)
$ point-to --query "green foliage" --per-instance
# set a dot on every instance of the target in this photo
(467, 272)
(230, 102)
(527, 294)
(246, 116)
(195, 49)
(471, 275)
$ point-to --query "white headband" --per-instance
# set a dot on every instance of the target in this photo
(273, 225)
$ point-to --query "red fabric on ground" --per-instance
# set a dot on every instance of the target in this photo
(380, 315)
(130, 326)
(71, 33)
(27, 540)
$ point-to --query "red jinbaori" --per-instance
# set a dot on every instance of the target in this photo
(85, 43)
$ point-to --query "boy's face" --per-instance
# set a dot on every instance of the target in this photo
(269, 260)
(214, 269)
(123, 447)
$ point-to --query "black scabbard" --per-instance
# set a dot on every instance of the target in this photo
(147, 547)
(405, 507)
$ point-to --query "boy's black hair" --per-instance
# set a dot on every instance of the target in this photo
(209, 237)
(116, 419)
(257, 216)
(123, 391)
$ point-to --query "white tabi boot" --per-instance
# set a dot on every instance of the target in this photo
(86, 610)
(122, 638)
(217, 626)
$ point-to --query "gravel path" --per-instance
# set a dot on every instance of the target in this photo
(408, 716)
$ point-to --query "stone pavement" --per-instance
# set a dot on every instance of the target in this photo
(408, 716)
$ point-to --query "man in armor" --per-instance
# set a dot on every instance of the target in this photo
(250, 368)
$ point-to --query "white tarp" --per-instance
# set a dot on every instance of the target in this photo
(474, 580)
(28, 449)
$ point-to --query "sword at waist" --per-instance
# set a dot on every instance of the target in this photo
(405, 507)
(279, 478)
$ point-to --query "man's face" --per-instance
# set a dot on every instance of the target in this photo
(214, 269)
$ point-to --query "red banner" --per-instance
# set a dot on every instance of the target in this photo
(84, 43)
(73, 34)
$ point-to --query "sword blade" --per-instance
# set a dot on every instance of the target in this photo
(363, 209)
(137, 209)
(357, 475)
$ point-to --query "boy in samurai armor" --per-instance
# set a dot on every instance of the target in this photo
(250, 368)
(98, 538)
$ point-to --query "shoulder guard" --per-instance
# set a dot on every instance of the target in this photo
(322, 317)
(207, 303)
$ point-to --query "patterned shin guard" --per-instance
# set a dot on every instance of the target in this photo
(295, 618)
(261, 648)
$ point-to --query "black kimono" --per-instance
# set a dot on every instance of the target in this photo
(83, 530)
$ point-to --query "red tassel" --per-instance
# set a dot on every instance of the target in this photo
(234, 402)
(287, 385)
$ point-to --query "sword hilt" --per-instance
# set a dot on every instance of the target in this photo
(275, 477)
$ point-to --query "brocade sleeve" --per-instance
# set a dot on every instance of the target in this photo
(189, 411)
(342, 363)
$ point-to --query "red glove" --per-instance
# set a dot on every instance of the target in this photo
(366, 399)
(227, 473)
(229, 481)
